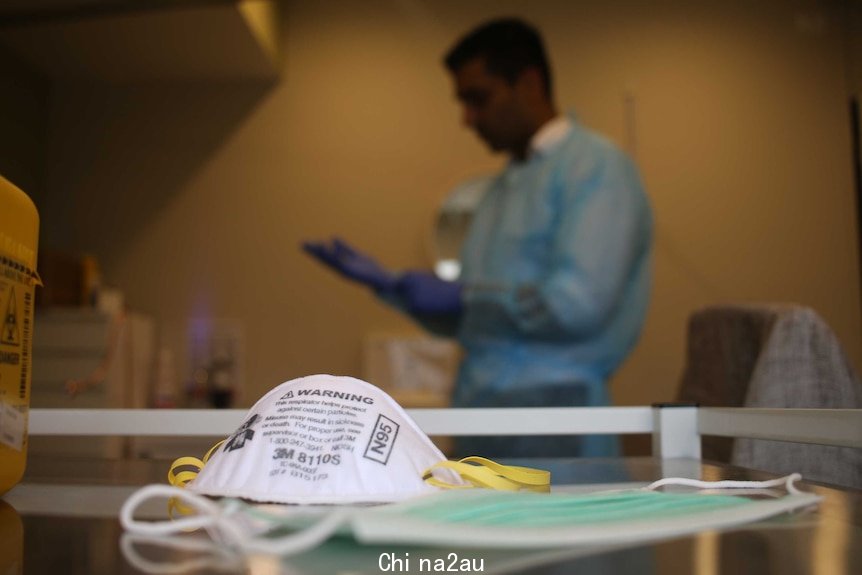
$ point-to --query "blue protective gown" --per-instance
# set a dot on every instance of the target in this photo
(556, 273)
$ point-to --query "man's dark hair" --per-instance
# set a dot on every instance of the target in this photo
(508, 47)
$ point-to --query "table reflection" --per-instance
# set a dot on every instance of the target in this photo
(63, 519)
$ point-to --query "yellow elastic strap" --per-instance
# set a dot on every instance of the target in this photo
(180, 477)
(481, 472)
(474, 475)
(526, 476)
(212, 450)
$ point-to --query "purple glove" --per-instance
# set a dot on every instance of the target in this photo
(352, 264)
(425, 293)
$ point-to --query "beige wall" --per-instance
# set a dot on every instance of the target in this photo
(195, 197)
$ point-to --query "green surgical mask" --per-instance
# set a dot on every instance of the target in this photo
(529, 520)
(488, 508)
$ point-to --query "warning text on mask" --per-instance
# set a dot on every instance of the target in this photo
(313, 429)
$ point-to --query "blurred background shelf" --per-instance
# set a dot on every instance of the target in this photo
(109, 356)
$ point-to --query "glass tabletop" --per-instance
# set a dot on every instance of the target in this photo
(63, 518)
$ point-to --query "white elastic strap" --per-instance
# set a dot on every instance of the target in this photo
(208, 512)
(787, 482)
(211, 557)
(221, 522)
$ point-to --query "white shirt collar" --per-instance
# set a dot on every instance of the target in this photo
(550, 134)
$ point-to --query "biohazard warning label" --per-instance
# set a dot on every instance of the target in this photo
(16, 320)
(243, 435)
(10, 334)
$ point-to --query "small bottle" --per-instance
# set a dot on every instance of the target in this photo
(164, 390)
(220, 383)
(91, 280)
(19, 235)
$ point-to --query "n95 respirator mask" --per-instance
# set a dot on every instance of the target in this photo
(334, 441)
(324, 439)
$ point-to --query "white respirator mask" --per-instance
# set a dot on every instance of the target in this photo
(323, 439)
(319, 439)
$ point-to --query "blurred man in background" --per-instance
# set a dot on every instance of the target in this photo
(555, 274)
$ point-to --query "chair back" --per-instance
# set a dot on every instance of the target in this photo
(772, 356)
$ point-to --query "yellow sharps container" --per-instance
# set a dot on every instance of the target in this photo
(19, 234)
(11, 541)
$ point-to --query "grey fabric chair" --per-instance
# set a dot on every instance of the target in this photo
(772, 356)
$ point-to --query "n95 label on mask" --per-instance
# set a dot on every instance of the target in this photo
(382, 439)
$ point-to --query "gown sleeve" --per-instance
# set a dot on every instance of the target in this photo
(603, 231)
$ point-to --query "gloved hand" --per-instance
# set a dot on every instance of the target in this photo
(352, 264)
(425, 293)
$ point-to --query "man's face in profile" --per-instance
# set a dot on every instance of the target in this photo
(493, 108)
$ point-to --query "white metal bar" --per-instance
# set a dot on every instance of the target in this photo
(533, 420)
(140, 422)
(842, 427)
(221, 422)
(676, 433)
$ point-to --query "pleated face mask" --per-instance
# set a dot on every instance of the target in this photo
(324, 439)
(606, 518)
